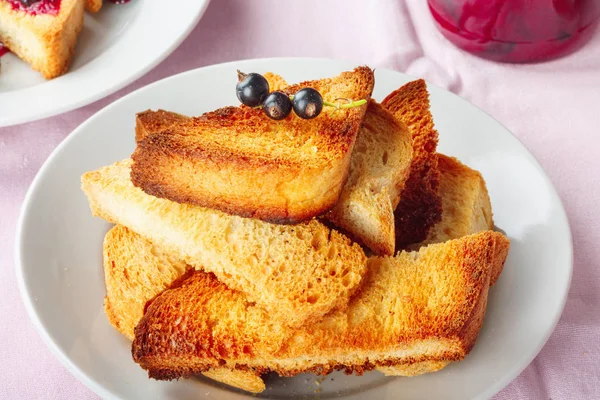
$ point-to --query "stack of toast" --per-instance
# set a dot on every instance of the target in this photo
(244, 245)
(44, 32)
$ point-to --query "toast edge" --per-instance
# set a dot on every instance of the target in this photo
(420, 205)
(458, 344)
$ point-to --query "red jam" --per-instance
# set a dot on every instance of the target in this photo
(51, 7)
(3, 50)
(516, 30)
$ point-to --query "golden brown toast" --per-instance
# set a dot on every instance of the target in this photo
(45, 41)
(466, 206)
(420, 205)
(466, 210)
(136, 271)
(299, 273)
(241, 162)
(93, 5)
(130, 252)
(379, 167)
(425, 306)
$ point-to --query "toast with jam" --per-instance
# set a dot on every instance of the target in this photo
(466, 206)
(42, 33)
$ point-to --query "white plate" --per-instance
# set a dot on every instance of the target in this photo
(59, 245)
(117, 45)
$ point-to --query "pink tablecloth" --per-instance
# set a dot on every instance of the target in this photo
(554, 108)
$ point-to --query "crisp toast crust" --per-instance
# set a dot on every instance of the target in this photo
(239, 161)
(400, 315)
(45, 41)
(379, 166)
(299, 273)
(149, 122)
(420, 205)
(413, 369)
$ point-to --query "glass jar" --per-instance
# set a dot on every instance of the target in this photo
(516, 30)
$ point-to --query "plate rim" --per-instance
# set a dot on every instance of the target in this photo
(105, 90)
(99, 389)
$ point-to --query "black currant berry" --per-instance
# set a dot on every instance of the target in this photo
(308, 103)
(277, 105)
(251, 89)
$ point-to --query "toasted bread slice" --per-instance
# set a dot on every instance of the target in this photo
(46, 41)
(378, 169)
(241, 162)
(466, 210)
(299, 273)
(136, 271)
(93, 5)
(466, 206)
(425, 306)
(460, 187)
(379, 166)
(420, 205)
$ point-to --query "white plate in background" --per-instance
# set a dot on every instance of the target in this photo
(116, 46)
(59, 248)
